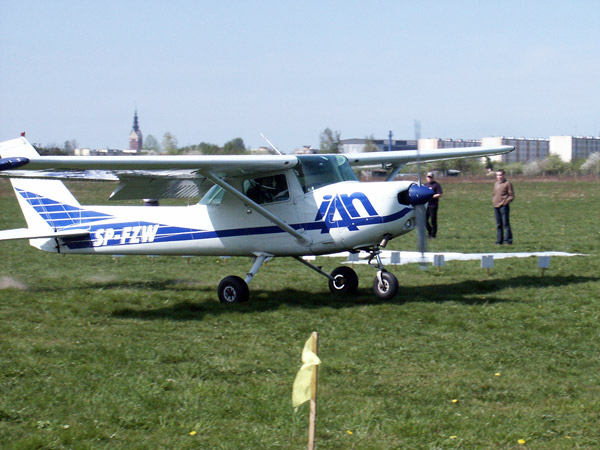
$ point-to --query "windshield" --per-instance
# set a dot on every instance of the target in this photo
(315, 171)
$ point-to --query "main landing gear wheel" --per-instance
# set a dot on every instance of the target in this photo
(385, 285)
(233, 289)
(345, 281)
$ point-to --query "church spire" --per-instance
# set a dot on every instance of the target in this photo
(136, 126)
(135, 137)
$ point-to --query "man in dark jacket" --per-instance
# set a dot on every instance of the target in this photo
(503, 195)
(432, 206)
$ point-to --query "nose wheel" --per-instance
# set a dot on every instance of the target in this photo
(385, 285)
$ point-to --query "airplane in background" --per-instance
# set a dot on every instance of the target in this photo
(260, 206)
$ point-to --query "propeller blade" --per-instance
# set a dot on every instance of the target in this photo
(421, 238)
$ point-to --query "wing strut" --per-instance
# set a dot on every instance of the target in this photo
(395, 170)
(259, 209)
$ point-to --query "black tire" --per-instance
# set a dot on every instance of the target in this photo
(388, 288)
(233, 289)
(345, 281)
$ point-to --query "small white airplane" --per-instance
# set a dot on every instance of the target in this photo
(259, 206)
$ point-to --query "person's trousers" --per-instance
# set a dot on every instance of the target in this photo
(431, 221)
(503, 231)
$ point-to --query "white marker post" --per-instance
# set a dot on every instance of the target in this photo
(438, 261)
(353, 257)
(544, 263)
(487, 263)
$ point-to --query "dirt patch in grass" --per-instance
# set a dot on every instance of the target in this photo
(11, 283)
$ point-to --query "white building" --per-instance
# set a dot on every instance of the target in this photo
(526, 149)
(568, 148)
(571, 148)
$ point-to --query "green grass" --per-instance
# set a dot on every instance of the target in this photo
(97, 353)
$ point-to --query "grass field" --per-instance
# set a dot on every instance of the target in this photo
(135, 353)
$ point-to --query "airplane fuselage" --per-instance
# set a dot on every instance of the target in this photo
(332, 218)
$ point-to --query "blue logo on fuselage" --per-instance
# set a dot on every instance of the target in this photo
(340, 211)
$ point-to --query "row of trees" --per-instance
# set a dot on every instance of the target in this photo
(329, 143)
(170, 146)
(553, 165)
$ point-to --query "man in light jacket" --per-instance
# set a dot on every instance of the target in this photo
(503, 195)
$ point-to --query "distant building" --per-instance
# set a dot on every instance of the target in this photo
(306, 150)
(359, 145)
(568, 148)
(526, 149)
(571, 148)
(136, 140)
(261, 151)
(434, 144)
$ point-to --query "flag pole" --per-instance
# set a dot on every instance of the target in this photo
(313, 395)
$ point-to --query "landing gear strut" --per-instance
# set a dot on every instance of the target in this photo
(343, 280)
(385, 284)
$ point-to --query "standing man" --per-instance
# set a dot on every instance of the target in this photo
(432, 206)
(503, 195)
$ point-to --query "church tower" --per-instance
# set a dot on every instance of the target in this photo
(136, 141)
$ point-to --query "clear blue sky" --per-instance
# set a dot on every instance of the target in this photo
(212, 71)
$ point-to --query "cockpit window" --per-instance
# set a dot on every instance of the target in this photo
(269, 189)
(315, 171)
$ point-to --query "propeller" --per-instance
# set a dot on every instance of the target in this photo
(420, 213)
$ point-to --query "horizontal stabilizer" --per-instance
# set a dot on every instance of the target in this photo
(26, 233)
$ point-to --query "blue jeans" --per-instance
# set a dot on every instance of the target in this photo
(503, 232)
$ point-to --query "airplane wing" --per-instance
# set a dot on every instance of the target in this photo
(184, 176)
(412, 156)
(174, 176)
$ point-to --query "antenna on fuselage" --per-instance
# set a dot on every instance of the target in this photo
(272, 146)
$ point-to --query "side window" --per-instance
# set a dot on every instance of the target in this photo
(214, 196)
(267, 189)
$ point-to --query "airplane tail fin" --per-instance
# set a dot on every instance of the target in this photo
(46, 204)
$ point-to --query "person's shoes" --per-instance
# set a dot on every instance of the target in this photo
(497, 243)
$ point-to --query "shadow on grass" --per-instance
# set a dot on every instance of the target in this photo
(468, 292)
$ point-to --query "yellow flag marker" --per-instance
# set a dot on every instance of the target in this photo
(303, 382)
